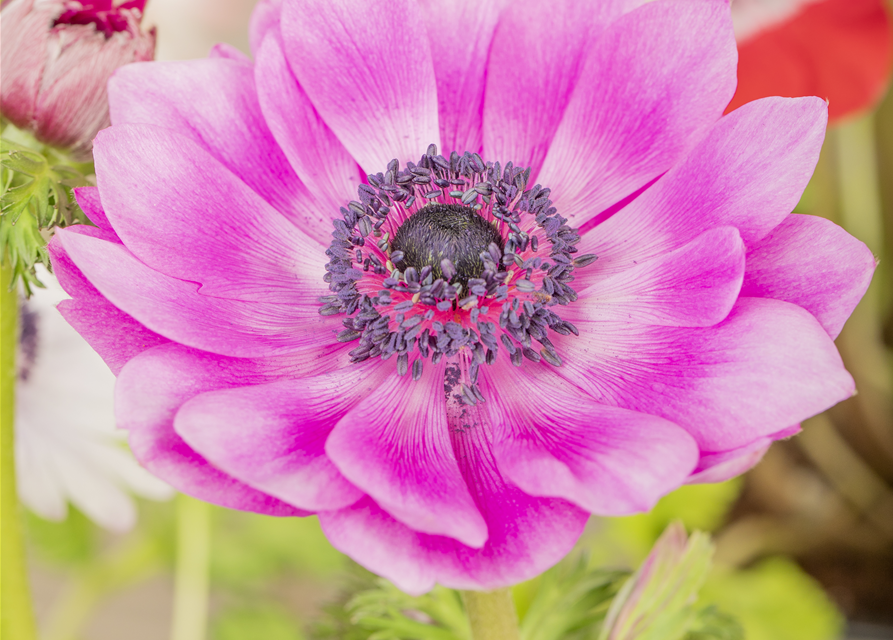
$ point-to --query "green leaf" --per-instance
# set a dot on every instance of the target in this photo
(712, 624)
(775, 599)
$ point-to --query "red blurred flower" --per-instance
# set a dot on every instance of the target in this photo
(57, 58)
(839, 50)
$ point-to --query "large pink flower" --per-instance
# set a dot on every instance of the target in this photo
(424, 351)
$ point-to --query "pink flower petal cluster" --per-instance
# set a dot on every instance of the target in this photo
(57, 58)
(705, 326)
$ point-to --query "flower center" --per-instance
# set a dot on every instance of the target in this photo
(439, 235)
(103, 14)
(452, 257)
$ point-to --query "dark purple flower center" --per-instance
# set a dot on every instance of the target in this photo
(448, 257)
(108, 18)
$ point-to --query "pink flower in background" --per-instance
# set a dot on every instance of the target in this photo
(595, 294)
(57, 59)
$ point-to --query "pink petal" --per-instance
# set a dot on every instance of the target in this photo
(272, 436)
(460, 33)
(526, 535)
(649, 89)
(175, 310)
(693, 286)
(182, 213)
(720, 466)
(813, 263)
(395, 446)
(24, 34)
(152, 388)
(326, 168)
(116, 336)
(213, 102)
(535, 63)
(749, 172)
(550, 439)
(264, 18)
(768, 365)
(89, 202)
(367, 68)
(228, 52)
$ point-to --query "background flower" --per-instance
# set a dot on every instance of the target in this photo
(835, 49)
(57, 58)
(67, 448)
(705, 325)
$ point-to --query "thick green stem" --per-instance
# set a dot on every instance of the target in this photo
(191, 578)
(16, 614)
(491, 614)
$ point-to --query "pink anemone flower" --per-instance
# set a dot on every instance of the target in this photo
(454, 277)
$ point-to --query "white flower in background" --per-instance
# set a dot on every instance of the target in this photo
(67, 447)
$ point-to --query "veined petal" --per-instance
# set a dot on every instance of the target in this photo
(266, 17)
(395, 446)
(767, 366)
(693, 286)
(719, 466)
(367, 68)
(272, 436)
(749, 172)
(549, 439)
(637, 108)
(813, 263)
(322, 162)
(184, 214)
(460, 33)
(174, 309)
(535, 63)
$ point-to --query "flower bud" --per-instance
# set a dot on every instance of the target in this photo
(57, 58)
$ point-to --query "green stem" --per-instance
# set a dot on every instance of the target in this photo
(191, 578)
(16, 616)
(491, 614)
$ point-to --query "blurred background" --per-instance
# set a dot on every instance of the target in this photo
(804, 540)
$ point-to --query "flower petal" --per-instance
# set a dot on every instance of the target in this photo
(535, 63)
(272, 436)
(460, 33)
(693, 286)
(650, 87)
(182, 213)
(749, 172)
(768, 365)
(322, 162)
(719, 466)
(214, 103)
(813, 263)
(174, 309)
(550, 439)
(154, 385)
(266, 17)
(116, 336)
(395, 446)
(23, 47)
(526, 535)
(367, 68)
(89, 202)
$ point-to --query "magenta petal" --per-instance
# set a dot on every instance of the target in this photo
(265, 18)
(768, 365)
(813, 263)
(229, 52)
(694, 286)
(367, 68)
(650, 87)
(526, 535)
(324, 165)
(719, 466)
(23, 47)
(89, 202)
(221, 235)
(154, 385)
(272, 436)
(460, 33)
(213, 102)
(174, 309)
(535, 62)
(749, 172)
(395, 446)
(116, 336)
(607, 460)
